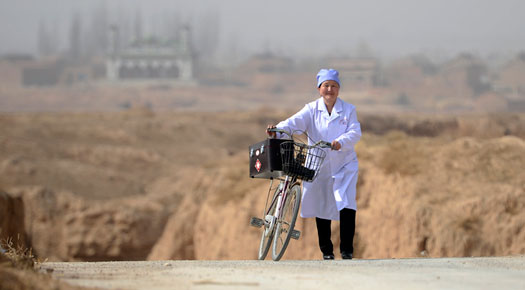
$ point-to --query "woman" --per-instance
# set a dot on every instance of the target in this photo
(331, 196)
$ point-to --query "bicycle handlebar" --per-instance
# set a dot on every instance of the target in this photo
(322, 144)
(277, 130)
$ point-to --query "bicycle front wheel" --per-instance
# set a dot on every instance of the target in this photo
(286, 224)
(269, 227)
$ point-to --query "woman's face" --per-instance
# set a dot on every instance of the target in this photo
(329, 90)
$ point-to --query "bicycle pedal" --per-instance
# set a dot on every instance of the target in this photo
(256, 222)
(295, 234)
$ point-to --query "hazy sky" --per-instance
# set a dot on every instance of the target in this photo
(302, 27)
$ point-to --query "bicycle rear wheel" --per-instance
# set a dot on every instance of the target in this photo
(285, 226)
(268, 228)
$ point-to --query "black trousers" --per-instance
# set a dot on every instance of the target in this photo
(347, 230)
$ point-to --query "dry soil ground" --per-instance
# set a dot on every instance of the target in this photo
(441, 273)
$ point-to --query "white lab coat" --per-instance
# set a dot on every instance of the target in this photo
(335, 186)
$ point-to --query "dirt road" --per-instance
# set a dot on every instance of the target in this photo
(443, 273)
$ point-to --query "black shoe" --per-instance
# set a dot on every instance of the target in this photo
(328, 257)
(346, 256)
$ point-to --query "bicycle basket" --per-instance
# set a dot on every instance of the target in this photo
(301, 161)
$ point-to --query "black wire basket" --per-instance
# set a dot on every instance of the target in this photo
(301, 160)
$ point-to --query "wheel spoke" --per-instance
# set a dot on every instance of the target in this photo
(267, 232)
(285, 226)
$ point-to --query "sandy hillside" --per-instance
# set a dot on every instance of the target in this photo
(138, 184)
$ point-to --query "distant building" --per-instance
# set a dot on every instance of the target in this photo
(151, 59)
(42, 73)
(264, 71)
(11, 68)
(55, 71)
(266, 63)
(467, 74)
(357, 73)
(510, 80)
(410, 71)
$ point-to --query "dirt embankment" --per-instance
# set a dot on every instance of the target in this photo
(144, 185)
(415, 198)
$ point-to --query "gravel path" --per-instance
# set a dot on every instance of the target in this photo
(444, 273)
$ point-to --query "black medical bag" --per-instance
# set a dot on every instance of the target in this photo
(265, 159)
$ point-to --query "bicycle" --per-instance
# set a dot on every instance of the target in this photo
(299, 161)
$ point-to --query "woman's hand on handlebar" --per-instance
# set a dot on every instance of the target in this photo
(336, 145)
(269, 133)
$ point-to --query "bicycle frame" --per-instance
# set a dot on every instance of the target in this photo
(279, 198)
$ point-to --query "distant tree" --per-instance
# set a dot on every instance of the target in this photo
(426, 66)
(75, 44)
(363, 50)
(137, 27)
(171, 25)
(206, 35)
(521, 56)
(44, 41)
(123, 23)
(97, 36)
